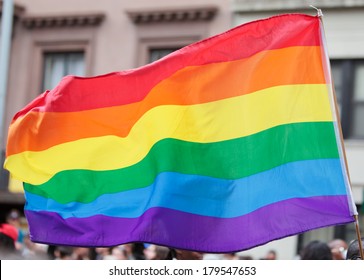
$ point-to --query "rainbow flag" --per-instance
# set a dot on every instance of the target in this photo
(224, 145)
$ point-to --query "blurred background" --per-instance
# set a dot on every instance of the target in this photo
(49, 39)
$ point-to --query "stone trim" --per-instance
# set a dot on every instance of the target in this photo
(175, 15)
(32, 22)
(279, 5)
(18, 10)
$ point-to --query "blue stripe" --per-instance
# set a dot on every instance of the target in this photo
(210, 196)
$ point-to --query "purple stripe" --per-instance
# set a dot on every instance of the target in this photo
(193, 232)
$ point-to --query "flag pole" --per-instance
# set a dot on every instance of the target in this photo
(336, 109)
(361, 249)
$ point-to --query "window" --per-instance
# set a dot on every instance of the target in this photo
(159, 32)
(60, 64)
(348, 76)
(152, 49)
(158, 53)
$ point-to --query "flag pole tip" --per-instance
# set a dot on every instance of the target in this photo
(319, 12)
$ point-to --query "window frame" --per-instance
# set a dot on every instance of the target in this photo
(173, 42)
(347, 76)
(166, 51)
(42, 47)
(66, 55)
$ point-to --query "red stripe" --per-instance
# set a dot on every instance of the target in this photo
(119, 88)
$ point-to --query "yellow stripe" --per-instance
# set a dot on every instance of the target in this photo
(15, 186)
(209, 122)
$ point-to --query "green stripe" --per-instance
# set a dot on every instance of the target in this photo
(231, 159)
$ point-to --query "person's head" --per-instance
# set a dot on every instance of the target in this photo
(230, 256)
(8, 237)
(103, 251)
(154, 252)
(271, 255)
(13, 218)
(63, 253)
(184, 255)
(81, 253)
(138, 251)
(246, 258)
(338, 249)
(316, 250)
(119, 253)
(353, 252)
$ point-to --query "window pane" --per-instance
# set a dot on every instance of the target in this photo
(58, 65)
(76, 65)
(155, 54)
(358, 120)
(359, 82)
(336, 72)
(54, 67)
(358, 101)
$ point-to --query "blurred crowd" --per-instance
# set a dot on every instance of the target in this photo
(15, 244)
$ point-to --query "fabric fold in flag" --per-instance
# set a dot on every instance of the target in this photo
(221, 146)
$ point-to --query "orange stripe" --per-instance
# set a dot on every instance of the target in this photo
(38, 131)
